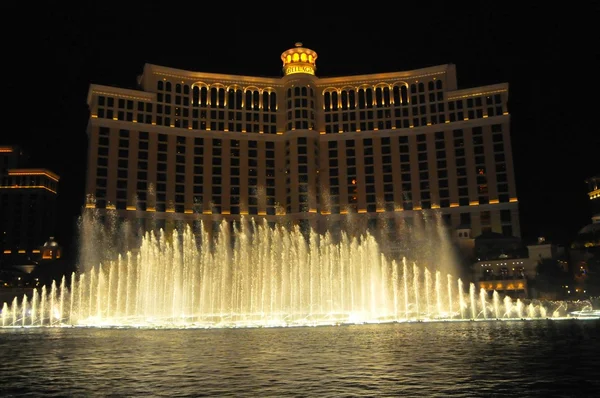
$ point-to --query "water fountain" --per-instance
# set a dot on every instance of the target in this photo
(259, 276)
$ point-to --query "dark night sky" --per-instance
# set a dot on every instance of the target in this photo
(549, 57)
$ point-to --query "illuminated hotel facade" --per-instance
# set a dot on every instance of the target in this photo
(388, 147)
(28, 209)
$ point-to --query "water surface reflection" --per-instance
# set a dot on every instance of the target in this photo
(534, 358)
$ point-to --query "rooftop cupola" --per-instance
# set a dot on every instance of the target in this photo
(299, 60)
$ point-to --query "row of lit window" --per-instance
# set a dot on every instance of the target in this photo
(218, 97)
(347, 102)
(421, 146)
(344, 100)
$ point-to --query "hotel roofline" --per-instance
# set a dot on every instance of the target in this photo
(162, 71)
(150, 69)
(121, 92)
(151, 96)
(34, 171)
(448, 69)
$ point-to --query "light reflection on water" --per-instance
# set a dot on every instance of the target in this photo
(534, 358)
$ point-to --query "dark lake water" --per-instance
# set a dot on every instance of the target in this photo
(469, 359)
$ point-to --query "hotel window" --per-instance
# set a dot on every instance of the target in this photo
(161, 175)
(500, 163)
(101, 170)
(122, 167)
(269, 112)
(351, 180)
(494, 105)
(482, 179)
(387, 174)
(270, 177)
(405, 174)
(461, 170)
(300, 107)
(100, 112)
(425, 199)
(401, 110)
(347, 107)
(442, 169)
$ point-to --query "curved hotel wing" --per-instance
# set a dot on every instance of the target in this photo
(190, 147)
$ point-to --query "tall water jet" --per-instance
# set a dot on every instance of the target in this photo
(483, 298)
(461, 299)
(508, 307)
(395, 289)
(473, 302)
(438, 292)
(405, 278)
(428, 291)
(416, 288)
(519, 308)
(24, 307)
(52, 307)
(61, 300)
(43, 300)
(450, 283)
(34, 307)
(496, 303)
(14, 308)
(72, 298)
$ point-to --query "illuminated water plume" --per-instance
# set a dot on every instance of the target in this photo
(258, 275)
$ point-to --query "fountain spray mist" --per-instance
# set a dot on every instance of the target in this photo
(253, 274)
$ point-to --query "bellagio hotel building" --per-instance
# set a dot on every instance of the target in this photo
(385, 148)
